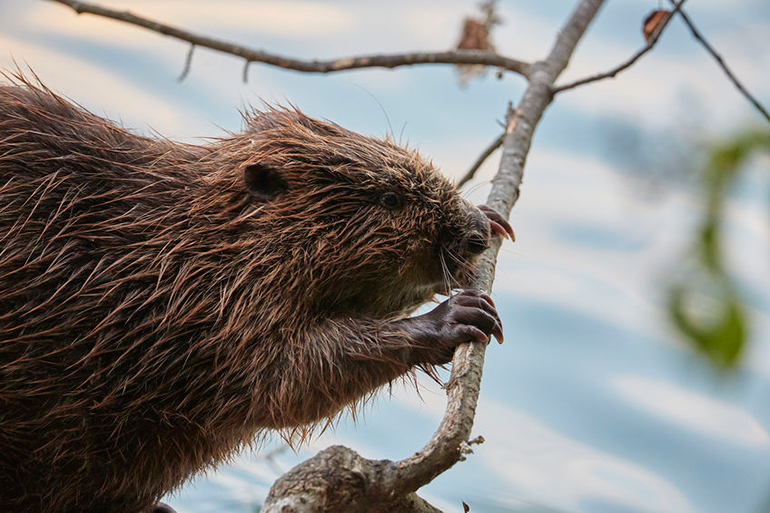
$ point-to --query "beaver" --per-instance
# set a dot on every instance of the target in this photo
(163, 304)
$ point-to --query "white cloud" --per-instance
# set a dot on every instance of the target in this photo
(536, 461)
(607, 282)
(695, 411)
(75, 78)
(720, 6)
(539, 461)
(265, 17)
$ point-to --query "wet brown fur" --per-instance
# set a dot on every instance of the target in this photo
(155, 316)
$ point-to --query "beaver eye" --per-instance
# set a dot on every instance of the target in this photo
(391, 201)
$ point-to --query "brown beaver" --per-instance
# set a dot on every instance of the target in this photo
(162, 303)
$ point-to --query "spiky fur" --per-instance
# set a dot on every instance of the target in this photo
(155, 316)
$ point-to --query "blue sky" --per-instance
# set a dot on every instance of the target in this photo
(593, 404)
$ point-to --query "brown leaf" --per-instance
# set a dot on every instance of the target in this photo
(652, 21)
(475, 36)
(466, 508)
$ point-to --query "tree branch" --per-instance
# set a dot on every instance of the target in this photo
(722, 64)
(479, 161)
(338, 479)
(445, 448)
(485, 58)
(632, 60)
(401, 478)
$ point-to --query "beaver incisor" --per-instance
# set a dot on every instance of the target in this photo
(162, 303)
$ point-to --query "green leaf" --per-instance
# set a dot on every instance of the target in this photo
(719, 330)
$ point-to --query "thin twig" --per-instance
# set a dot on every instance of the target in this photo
(187, 64)
(722, 64)
(479, 161)
(483, 57)
(632, 60)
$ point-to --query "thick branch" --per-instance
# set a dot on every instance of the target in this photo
(339, 479)
(444, 449)
(485, 58)
(632, 60)
(722, 64)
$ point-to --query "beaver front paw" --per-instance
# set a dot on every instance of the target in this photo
(465, 317)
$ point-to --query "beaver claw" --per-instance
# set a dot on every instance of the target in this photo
(465, 317)
(498, 223)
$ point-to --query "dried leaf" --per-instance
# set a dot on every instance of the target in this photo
(652, 22)
(475, 36)
(466, 508)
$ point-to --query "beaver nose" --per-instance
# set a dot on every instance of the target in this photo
(477, 240)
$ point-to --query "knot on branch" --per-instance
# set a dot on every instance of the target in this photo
(339, 479)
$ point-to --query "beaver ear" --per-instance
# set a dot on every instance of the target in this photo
(263, 180)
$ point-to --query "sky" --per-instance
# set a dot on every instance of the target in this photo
(593, 404)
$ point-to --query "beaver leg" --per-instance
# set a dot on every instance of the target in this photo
(345, 358)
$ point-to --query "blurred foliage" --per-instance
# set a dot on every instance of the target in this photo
(705, 305)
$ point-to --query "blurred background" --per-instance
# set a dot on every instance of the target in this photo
(596, 402)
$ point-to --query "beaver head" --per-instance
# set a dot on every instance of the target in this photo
(371, 226)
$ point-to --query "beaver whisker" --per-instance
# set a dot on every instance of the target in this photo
(462, 268)
(445, 272)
